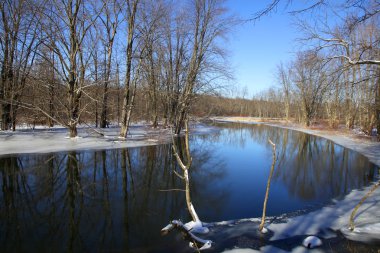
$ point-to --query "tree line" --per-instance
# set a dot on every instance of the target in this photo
(110, 61)
(335, 75)
(78, 61)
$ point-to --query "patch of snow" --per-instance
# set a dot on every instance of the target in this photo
(190, 228)
(365, 232)
(196, 227)
(46, 140)
(207, 244)
(336, 217)
(264, 230)
(311, 242)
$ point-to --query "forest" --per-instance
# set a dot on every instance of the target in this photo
(115, 61)
(130, 77)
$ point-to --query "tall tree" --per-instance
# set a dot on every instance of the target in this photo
(310, 80)
(283, 76)
(110, 20)
(66, 27)
(19, 41)
(151, 30)
(130, 79)
(208, 24)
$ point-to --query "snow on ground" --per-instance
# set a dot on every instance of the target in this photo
(46, 140)
(335, 216)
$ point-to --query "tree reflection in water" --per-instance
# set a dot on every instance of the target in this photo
(310, 167)
(109, 200)
(93, 201)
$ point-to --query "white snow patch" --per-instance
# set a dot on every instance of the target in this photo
(207, 244)
(196, 227)
(336, 217)
(364, 232)
(46, 140)
(311, 242)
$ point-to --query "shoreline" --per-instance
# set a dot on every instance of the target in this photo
(348, 139)
(49, 140)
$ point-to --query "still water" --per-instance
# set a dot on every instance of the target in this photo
(118, 200)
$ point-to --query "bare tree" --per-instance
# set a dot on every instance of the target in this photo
(129, 88)
(110, 21)
(355, 44)
(311, 82)
(209, 24)
(66, 38)
(174, 62)
(283, 76)
(19, 41)
(151, 30)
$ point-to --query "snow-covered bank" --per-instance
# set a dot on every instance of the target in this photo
(45, 140)
(327, 221)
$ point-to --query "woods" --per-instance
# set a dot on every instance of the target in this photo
(113, 61)
(106, 62)
(333, 77)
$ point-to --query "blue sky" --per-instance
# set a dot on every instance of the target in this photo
(256, 48)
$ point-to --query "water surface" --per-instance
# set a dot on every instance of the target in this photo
(118, 200)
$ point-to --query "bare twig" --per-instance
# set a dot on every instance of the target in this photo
(178, 175)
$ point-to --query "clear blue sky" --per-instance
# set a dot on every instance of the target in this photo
(256, 48)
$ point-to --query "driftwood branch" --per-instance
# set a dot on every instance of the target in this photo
(268, 184)
(374, 187)
(195, 241)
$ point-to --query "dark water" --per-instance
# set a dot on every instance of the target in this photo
(116, 200)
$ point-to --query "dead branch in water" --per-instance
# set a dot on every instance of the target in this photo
(185, 165)
(268, 185)
(197, 243)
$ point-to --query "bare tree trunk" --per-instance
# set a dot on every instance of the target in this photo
(127, 99)
(19, 42)
(118, 94)
(110, 24)
(51, 96)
